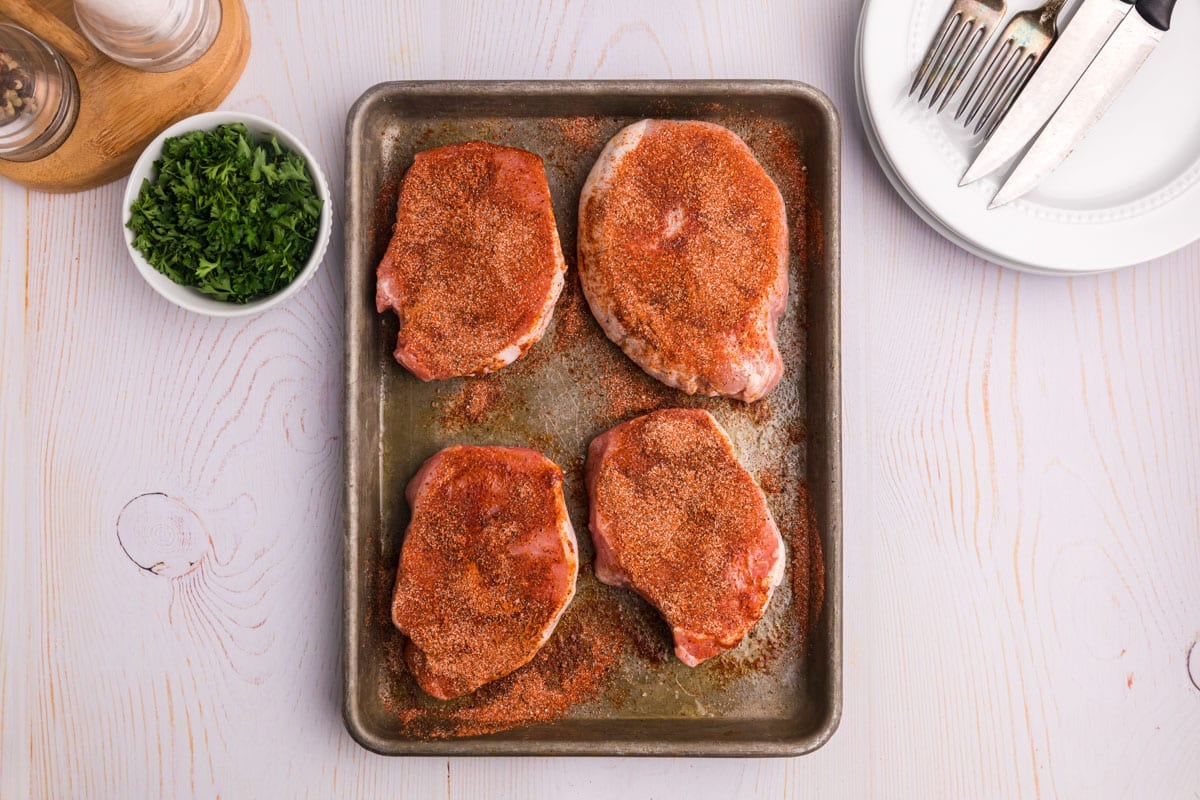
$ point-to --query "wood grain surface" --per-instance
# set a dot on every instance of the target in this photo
(1022, 476)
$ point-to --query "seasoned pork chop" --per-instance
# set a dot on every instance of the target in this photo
(474, 266)
(676, 518)
(487, 567)
(683, 254)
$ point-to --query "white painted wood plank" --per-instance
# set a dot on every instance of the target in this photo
(18, 545)
(1022, 476)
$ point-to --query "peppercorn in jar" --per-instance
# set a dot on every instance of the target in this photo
(39, 98)
(16, 89)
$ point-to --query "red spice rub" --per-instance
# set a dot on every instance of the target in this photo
(474, 266)
(488, 565)
(677, 518)
(573, 323)
(579, 133)
(626, 393)
(807, 566)
(477, 401)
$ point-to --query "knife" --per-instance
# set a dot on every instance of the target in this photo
(1070, 56)
(1118, 61)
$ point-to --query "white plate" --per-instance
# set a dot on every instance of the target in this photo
(1112, 204)
(901, 189)
(907, 196)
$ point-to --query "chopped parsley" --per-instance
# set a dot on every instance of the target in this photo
(233, 217)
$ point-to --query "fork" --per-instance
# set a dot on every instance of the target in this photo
(956, 47)
(1010, 64)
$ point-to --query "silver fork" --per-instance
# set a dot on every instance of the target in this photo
(956, 47)
(1010, 64)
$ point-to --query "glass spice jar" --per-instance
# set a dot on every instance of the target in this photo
(150, 35)
(39, 97)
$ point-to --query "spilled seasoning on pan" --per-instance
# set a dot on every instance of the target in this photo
(629, 392)
(572, 668)
(807, 567)
(573, 323)
(580, 134)
(476, 401)
(383, 216)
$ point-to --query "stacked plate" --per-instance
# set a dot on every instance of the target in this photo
(1130, 192)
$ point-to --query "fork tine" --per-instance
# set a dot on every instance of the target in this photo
(1015, 85)
(1011, 68)
(1009, 65)
(962, 43)
(972, 56)
(934, 47)
(948, 47)
(981, 79)
(988, 82)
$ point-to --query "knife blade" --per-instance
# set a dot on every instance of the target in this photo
(1118, 61)
(1070, 56)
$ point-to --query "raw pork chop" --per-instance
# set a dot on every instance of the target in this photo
(487, 567)
(474, 266)
(683, 255)
(676, 518)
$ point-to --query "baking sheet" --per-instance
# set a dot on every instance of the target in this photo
(779, 693)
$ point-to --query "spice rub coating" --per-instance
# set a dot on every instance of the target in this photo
(487, 567)
(683, 255)
(676, 518)
(474, 266)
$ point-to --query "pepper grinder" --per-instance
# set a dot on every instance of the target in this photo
(150, 35)
(39, 97)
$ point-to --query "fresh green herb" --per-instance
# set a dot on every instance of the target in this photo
(235, 218)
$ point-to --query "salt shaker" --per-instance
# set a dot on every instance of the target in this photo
(150, 35)
(39, 97)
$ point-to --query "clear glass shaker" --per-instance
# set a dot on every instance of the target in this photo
(39, 98)
(150, 35)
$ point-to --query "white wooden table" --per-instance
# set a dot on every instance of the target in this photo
(1022, 476)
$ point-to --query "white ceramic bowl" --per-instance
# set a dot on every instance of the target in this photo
(186, 296)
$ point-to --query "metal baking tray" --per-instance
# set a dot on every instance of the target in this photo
(780, 692)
